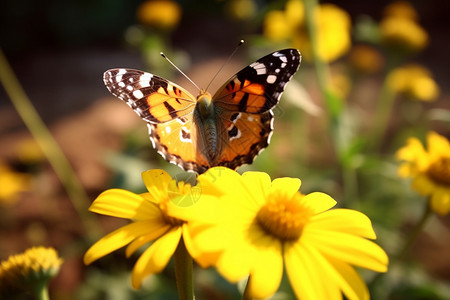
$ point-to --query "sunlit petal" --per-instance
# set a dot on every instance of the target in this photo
(288, 186)
(156, 257)
(318, 202)
(349, 248)
(156, 181)
(267, 269)
(119, 238)
(144, 239)
(308, 278)
(344, 220)
(124, 204)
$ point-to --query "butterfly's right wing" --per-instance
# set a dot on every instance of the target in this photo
(154, 99)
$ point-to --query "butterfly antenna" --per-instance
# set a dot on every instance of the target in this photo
(228, 60)
(178, 69)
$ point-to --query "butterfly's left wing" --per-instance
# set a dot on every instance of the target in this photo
(244, 106)
(153, 98)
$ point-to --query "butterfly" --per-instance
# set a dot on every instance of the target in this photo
(196, 133)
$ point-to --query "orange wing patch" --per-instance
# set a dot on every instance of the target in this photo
(179, 142)
(241, 96)
(169, 102)
(244, 136)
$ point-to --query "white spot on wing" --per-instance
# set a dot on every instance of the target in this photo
(250, 118)
(145, 79)
(120, 74)
(138, 94)
(121, 84)
(259, 67)
(168, 129)
(283, 59)
(271, 79)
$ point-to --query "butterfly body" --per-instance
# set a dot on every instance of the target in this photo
(228, 129)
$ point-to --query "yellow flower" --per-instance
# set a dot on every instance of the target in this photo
(275, 26)
(413, 81)
(401, 9)
(36, 266)
(242, 10)
(404, 34)
(164, 14)
(12, 184)
(366, 59)
(429, 169)
(260, 226)
(333, 29)
(152, 222)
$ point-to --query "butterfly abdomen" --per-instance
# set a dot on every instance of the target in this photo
(206, 120)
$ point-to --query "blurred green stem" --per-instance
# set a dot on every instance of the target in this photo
(332, 103)
(401, 255)
(49, 146)
(382, 115)
(183, 272)
(41, 290)
(385, 103)
(415, 232)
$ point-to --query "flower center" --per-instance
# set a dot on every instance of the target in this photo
(283, 217)
(439, 171)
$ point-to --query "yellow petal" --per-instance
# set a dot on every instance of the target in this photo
(309, 279)
(156, 257)
(438, 145)
(350, 281)
(124, 204)
(157, 182)
(440, 201)
(423, 185)
(343, 220)
(267, 271)
(348, 248)
(119, 238)
(217, 181)
(257, 185)
(318, 202)
(289, 186)
(142, 240)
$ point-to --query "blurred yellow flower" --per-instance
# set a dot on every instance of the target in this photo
(12, 184)
(401, 9)
(429, 169)
(35, 267)
(152, 222)
(242, 10)
(414, 81)
(403, 34)
(259, 227)
(161, 14)
(276, 28)
(399, 28)
(333, 29)
(366, 59)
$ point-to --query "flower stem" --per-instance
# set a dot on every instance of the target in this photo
(41, 290)
(400, 256)
(415, 232)
(49, 146)
(183, 272)
(333, 104)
